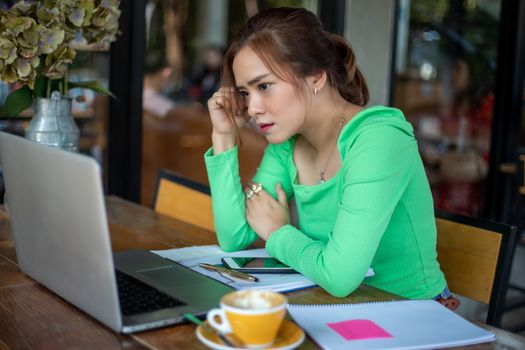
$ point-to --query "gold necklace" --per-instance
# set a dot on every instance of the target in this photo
(340, 127)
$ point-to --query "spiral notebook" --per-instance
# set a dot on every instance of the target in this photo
(404, 324)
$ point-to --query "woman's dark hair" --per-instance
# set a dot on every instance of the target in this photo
(155, 61)
(293, 45)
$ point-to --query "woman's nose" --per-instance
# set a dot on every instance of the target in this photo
(255, 106)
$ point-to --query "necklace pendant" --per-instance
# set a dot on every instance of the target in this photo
(340, 127)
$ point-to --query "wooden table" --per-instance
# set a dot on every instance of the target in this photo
(31, 317)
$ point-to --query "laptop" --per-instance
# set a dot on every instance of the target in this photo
(58, 218)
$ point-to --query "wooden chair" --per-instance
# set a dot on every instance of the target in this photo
(476, 255)
(183, 199)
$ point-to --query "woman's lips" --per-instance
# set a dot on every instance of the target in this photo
(265, 127)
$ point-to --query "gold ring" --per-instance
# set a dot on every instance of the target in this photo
(256, 188)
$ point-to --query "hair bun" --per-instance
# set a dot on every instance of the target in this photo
(352, 85)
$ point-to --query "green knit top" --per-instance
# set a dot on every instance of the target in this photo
(376, 211)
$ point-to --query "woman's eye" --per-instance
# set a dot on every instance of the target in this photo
(243, 93)
(264, 86)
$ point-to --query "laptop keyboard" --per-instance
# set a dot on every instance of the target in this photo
(137, 297)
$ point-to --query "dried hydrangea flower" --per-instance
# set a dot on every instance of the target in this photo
(35, 37)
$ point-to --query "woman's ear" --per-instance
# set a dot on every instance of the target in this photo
(317, 81)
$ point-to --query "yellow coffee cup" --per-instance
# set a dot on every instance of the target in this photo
(254, 316)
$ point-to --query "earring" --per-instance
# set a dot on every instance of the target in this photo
(315, 90)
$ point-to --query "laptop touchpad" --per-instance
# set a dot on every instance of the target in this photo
(172, 277)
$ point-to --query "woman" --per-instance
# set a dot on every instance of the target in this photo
(356, 176)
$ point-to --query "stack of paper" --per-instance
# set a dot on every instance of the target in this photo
(193, 256)
(212, 254)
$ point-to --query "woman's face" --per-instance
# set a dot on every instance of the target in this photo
(279, 110)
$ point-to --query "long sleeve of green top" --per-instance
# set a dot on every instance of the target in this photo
(376, 211)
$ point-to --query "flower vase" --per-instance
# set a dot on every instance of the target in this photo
(53, 123)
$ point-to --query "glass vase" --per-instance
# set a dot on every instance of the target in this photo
(53, 123)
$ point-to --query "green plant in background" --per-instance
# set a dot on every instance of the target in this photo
(37, 45)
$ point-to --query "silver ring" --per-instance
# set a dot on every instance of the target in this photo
(256, 188)
(249, 194)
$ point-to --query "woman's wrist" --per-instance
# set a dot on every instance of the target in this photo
(222, 142)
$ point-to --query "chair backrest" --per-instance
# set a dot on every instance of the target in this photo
(183, 199)
(475, 255)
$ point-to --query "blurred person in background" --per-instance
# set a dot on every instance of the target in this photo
(205, 78)
(466, 123)
(158, 78)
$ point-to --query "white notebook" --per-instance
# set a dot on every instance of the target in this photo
(405, 324)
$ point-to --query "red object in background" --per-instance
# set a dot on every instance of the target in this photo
(460, 197)
(194, 92)
(467, 197)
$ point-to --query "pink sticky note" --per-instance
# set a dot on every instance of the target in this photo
(359, 329)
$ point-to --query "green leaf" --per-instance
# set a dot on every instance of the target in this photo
(40, 86)
(16, 102)
(92, 85)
